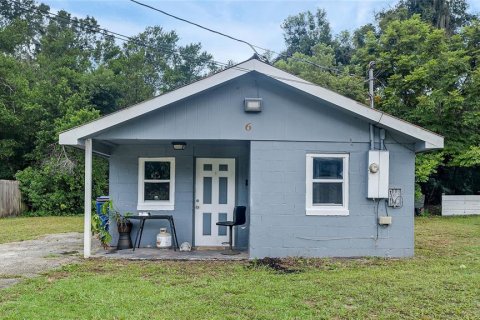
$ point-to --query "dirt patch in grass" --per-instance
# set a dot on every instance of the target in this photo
(31, 257)
(279, 266)
(54, 276)
(298, 265)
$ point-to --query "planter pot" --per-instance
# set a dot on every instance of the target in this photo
(124, 240)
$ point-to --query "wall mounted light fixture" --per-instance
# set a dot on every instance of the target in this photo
(253, 104)
(178, 145)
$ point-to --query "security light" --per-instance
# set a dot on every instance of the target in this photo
(253, 104)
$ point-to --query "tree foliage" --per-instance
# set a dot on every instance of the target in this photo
(60, 72)
(449, 15)
(306, 29)
(324, 56)
(430, 78)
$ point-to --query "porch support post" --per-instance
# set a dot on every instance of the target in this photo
(87, 240)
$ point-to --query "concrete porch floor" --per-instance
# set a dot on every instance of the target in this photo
(168, 254)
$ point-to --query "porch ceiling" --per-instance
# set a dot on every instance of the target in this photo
(105, 147)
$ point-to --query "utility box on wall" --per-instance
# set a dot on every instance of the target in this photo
(378, 172)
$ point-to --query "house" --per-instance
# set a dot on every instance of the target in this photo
(300, 157)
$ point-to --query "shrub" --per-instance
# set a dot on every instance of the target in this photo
(49, 189)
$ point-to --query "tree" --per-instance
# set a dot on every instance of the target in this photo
(304, 30)
(343, 47)
(324, 56)
(449, 15)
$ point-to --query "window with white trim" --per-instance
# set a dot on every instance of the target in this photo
(156, 184)
(327, 184)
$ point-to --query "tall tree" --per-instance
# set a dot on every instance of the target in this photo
(449, 15)
(306, 29)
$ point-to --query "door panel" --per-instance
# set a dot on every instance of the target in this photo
(214, 199)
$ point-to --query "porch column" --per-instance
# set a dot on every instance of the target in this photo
(87, 235)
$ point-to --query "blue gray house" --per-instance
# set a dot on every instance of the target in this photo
(316, 180)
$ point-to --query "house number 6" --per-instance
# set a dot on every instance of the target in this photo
(248, 127)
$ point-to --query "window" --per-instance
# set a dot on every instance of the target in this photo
(156, 184)
(327, 184)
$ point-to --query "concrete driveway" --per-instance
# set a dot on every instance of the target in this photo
(28, 258)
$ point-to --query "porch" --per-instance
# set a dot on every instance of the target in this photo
(198, 186)
(169, 254)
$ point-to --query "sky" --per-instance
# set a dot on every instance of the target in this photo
(257, 22)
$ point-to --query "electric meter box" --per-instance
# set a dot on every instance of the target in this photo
(378, 172)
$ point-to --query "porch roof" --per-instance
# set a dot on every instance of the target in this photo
(426, 139)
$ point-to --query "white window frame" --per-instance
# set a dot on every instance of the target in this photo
(326, 210)
(155, 204)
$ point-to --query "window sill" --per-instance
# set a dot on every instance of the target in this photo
(327, 212)
(155, 207)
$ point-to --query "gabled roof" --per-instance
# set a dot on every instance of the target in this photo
(430, 140)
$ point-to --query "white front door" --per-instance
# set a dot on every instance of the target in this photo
(214, 200)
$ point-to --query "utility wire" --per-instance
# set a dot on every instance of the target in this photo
(95, 29)
(123, 37)
(252, 46)
(99, 30)
(196, 24)
(126, 38)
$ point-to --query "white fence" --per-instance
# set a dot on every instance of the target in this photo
(460, 205)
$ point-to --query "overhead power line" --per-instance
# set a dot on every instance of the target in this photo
(196, 24)
(252, 46)
(122, 37)
(94, 29)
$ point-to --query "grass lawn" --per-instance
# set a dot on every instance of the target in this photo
(441, 282)
(26, 228)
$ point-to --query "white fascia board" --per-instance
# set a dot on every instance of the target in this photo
(72, 136)
(432, 140)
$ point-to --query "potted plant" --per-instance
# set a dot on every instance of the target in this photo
(100, 229)
(124, 227)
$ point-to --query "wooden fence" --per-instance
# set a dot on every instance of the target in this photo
(460, 205)
(10, 198)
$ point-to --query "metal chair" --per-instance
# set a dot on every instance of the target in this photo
(239, 218)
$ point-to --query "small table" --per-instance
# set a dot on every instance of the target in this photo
(155, 217)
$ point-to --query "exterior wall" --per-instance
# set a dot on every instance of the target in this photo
(280, 228)
(124, 184)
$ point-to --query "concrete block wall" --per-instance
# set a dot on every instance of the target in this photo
(280, 228)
